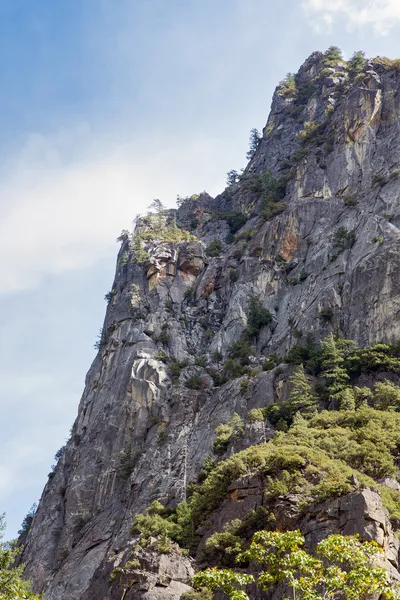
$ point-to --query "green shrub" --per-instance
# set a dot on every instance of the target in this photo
(222, 548)
(165, 336)
(272, 192)
(377, 357)
(234, 275)
(200, 361)
(216, 356)
(241, 350)
(256, 415)
(350, 200)
(233, 370)
(342, 240)
(27, 522)
(258, 317)
(333, 54)
(356, 63)
(377, 240)
(190, 295)
(214, 248)
(386, 395)
(287, 87)
(195, 382)
(379, 179)
(127, 462)
(326, 314)
(227, 433)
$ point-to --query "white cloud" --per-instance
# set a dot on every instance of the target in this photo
(60, 216)
(383, 15)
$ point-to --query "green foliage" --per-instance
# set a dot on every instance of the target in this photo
(227, 433)
(232, 177)
(254, 141)
(202, 594)
(333, 370)
(388, 63)
(102, 340)
(379, 179)
(214, 248)
(123, 236)
(271, 362)
(241, 350)
(216, 356)
(308, 354)
(378, 357)
(377, 239)
(139, 253)
(12, 586)
(226, 581)
(304, 92)
(350, 200)
(342, 240)
(155, 530)
(257, 318)
(234, 275)
(125, 570)
(236, 221)
(326, 314)
(190, 295)
(341, 565)
(272, 193)
(257, 414)
(162, 356)
(109, 296)
(310, 130)
(301, 397)
(195, 382)
(356, 63)
(333, 54)
(287, 87)
(208, 465)
(221, 547)
(127, 461)
(28, 520)
(233, 370)
(386, 395)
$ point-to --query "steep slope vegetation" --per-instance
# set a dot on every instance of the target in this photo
(211, 307)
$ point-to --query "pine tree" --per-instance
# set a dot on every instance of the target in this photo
(301, 397)
(140, 255)
(157, 206)
(347, 399)
(333, 371)
(232, 177)
(356, 63)
(254, 140)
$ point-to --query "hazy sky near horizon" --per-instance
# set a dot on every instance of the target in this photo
(106, 105)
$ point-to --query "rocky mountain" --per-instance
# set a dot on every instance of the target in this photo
(212, 307)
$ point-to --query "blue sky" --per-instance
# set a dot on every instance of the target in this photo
(106, 105)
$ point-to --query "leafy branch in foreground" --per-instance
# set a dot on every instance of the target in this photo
(12, 587)
(342, 567)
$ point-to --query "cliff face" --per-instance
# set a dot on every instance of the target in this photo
(312, 230)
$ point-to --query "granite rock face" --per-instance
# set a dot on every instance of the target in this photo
(339, 150)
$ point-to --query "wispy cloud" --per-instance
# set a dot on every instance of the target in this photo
(66, 214)
(382, 15)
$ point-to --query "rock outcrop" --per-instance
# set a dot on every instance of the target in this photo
(323, 257)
